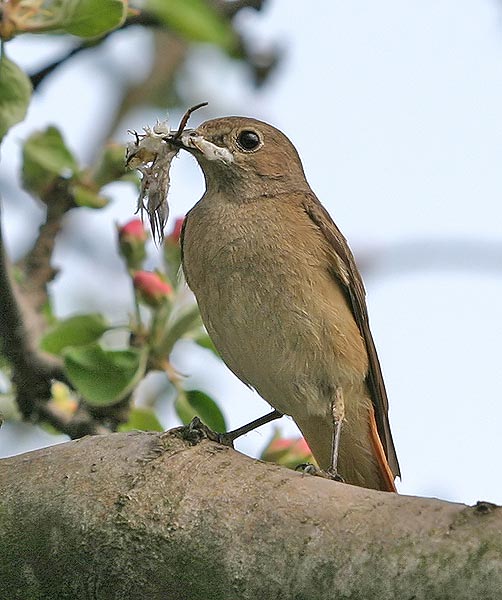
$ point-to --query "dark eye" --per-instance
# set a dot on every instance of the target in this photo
(248, 140)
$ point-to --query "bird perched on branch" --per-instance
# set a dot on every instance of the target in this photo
(282, 299)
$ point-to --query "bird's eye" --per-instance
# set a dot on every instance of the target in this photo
(248, 140)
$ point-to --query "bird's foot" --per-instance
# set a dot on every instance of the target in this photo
(196, 431)
(311, 469)
(334, 475)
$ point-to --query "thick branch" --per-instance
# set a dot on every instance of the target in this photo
(146, 515)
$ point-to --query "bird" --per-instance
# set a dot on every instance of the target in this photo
(282, 299)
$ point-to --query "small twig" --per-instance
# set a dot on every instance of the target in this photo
(184, 119)
(36, 265)
(39, 76)
(136, 136)
(141, 19)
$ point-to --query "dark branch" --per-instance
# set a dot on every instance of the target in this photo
(36, 265)
(15, 343)
(39, 76)
(33, 372)
(144, 19)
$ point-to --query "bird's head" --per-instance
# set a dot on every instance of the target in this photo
(245, 156)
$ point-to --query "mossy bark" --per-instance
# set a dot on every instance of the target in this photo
(147, 515)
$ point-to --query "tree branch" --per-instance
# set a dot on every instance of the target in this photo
(141, 19)
(262, 63)
(21, 323)
(146, 515)
(30, 370)
(37, 264)
(37, 77)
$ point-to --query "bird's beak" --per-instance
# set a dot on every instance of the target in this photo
(195, 143)
(178, 139)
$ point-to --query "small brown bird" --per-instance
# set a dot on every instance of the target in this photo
(282, 299)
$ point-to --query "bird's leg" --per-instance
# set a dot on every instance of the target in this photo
(338, 414)
(196, 430)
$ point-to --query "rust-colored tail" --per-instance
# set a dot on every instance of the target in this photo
(387, 475)
(362, 459)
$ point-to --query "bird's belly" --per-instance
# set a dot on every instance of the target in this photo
(282, 326)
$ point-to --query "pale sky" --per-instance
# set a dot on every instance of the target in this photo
(394, 108)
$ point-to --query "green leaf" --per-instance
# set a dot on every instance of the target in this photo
(143, 419)
(45, 157)
(15, 93)
(85, 18)
(91, 18)
(79, 330)
(195, 20)
(83, 196)
(192, 403)
(104, 377)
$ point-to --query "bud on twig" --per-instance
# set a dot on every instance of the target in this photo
(151, 288)
(132, 241)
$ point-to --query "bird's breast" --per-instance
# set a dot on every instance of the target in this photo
(275, 313)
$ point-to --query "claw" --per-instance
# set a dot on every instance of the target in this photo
(311, 469)
(196, 431)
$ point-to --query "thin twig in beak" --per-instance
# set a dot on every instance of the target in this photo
(184, 120)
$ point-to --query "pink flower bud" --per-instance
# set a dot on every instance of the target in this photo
(133, 230)
(132, 241)
(152, 289)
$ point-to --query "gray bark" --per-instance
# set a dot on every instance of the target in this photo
(148, 516)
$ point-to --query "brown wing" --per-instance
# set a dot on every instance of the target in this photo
(345, 270)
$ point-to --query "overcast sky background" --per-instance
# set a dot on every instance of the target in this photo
(395, 108)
